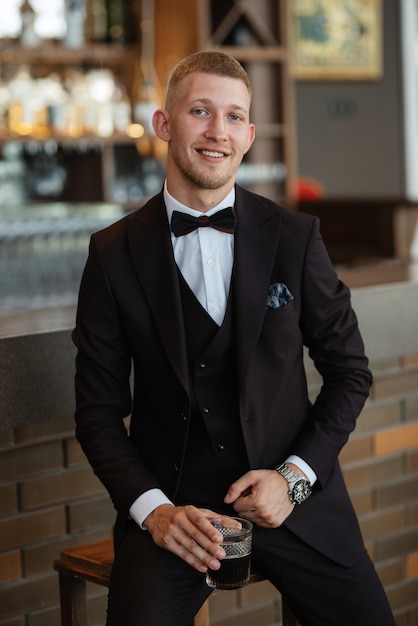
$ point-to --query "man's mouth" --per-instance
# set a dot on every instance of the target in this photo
(213, 153)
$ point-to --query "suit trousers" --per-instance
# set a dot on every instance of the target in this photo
(152, 587)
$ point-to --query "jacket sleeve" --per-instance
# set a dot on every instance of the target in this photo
(331, 334)
(102, 385)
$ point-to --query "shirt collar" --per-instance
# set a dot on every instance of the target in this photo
(174, 205)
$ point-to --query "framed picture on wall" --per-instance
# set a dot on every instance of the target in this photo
(338, 40)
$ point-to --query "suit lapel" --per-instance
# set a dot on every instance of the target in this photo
(256, 240)
(152, 254)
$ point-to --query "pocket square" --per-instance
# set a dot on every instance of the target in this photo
(278, 295)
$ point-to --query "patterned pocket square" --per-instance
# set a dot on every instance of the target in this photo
(278, 295)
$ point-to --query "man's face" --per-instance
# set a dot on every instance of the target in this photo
(208, 131)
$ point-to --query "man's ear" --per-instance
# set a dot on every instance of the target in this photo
(160, 124)
(251, 137)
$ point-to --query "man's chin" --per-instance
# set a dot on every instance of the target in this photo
(209, 182)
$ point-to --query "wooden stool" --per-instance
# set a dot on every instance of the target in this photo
(93, 562)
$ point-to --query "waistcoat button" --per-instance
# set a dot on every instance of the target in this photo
(206, 409)
(202, 366)
(221, 447)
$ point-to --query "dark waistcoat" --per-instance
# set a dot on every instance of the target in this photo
(215, 453)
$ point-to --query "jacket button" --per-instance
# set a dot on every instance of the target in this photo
(206, 409)
(183, 417)
(221, 447)
(202, 365)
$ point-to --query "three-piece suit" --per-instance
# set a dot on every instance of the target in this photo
(208, 403)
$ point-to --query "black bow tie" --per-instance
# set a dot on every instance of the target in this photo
(183, 223)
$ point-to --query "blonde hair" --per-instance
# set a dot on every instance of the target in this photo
(208, 62)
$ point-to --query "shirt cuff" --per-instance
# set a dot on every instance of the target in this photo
(302, 465)
(146, 504)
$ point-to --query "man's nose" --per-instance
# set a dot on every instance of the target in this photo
(217, 127)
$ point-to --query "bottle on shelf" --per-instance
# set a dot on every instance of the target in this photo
(21, 114)
(101, 92)
(75, 14)
(28, 36)
(122, 110)
(57, 101)
(146, 92)
(4, 107)
(146, 100)
(96, 21)
(121, 16)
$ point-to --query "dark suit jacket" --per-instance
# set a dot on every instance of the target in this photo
(130, 312)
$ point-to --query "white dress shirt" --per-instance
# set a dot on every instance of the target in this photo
(205, 258)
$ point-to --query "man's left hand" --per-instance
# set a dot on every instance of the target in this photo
(261, 496)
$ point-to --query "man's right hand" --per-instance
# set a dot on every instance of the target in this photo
(187, 532)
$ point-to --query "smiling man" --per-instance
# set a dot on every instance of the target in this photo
(210, 293)
(206, 124)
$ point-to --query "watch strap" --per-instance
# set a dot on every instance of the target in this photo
(299, 487)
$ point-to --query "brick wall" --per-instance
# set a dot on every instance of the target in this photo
(50, 499)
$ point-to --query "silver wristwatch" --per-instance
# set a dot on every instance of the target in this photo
(299, 488)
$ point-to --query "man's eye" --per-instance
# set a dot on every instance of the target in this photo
(235, 117)
(199, 112)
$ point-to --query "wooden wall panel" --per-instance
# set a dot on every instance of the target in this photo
(175, 34)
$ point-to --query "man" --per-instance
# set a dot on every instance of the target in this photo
(214, 323)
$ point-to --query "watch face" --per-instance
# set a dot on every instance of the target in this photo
(301, 491)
